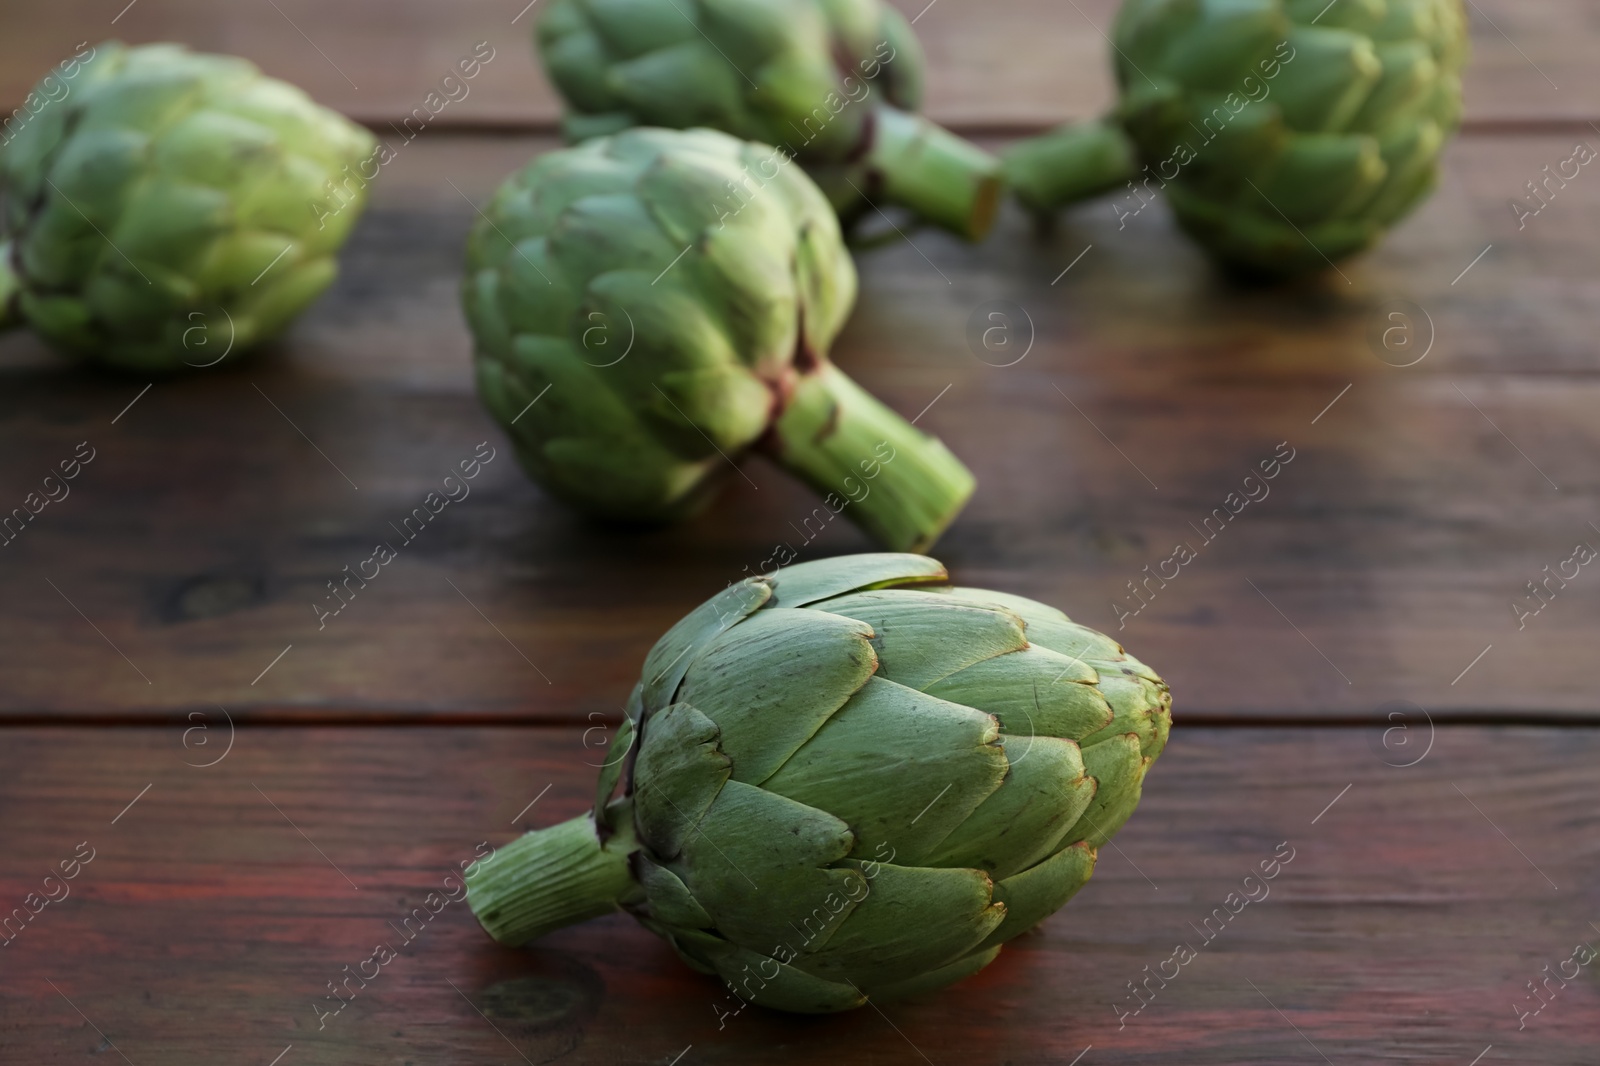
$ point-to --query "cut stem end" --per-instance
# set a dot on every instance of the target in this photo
(949, 181)
(552, 878)
(896, 482)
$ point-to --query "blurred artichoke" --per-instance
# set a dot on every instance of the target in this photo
(836, 83)
(676, 293)
(847, 789)
(1286, 134)
(165, 207)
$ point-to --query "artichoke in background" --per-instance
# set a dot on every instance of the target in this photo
(163, 206)
(676, 292)
(836, 83)
(847, 786)
(1286, 134)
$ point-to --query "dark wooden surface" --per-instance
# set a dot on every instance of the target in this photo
(1396, 541)
(1403, 930)
(173, 590)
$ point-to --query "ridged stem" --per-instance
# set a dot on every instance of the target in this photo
(1068, 164)
(552, 878)
(944, 179)
(896, 482)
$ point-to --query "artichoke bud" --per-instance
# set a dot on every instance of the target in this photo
(1287, 134)
(166, 209)
(836, 82)
(850, 779)
(650, 306)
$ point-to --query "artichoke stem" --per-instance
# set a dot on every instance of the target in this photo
(1069, 164)
(552, 878)
(949, 181)
(899, 484)
(9, 289)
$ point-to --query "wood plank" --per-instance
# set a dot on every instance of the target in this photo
(216, 909)
(1009, 63)
(199, 538)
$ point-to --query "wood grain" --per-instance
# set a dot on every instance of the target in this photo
(1437, 868)
(1010, 63)
(1415, 512)
(1402, 931)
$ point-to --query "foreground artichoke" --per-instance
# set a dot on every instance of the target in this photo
(1286, 134)
(834, 82)
(847, 788)
(676, 292)
(165, 208)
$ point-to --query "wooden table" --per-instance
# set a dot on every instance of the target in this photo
(263, 798)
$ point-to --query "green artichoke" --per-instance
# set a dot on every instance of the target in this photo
(847, 786)
(164, 208)
(836, 83)
(679, 314)
(1286, 134)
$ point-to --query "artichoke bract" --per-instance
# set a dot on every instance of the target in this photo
(675, 293)
(1286, 134)
(844, 781)
(836, 83)
(165, 208)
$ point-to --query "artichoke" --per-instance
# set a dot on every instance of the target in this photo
(835, 82)
(848, 784)
(1286, 134)
(676, 292)
(165, 208)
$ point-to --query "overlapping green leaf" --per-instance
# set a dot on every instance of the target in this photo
(814, 832)
(761, 866)
(171, 209)
(901, 768)
(914, 919)
(771, 682)
(677, 774)
(922, 637)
